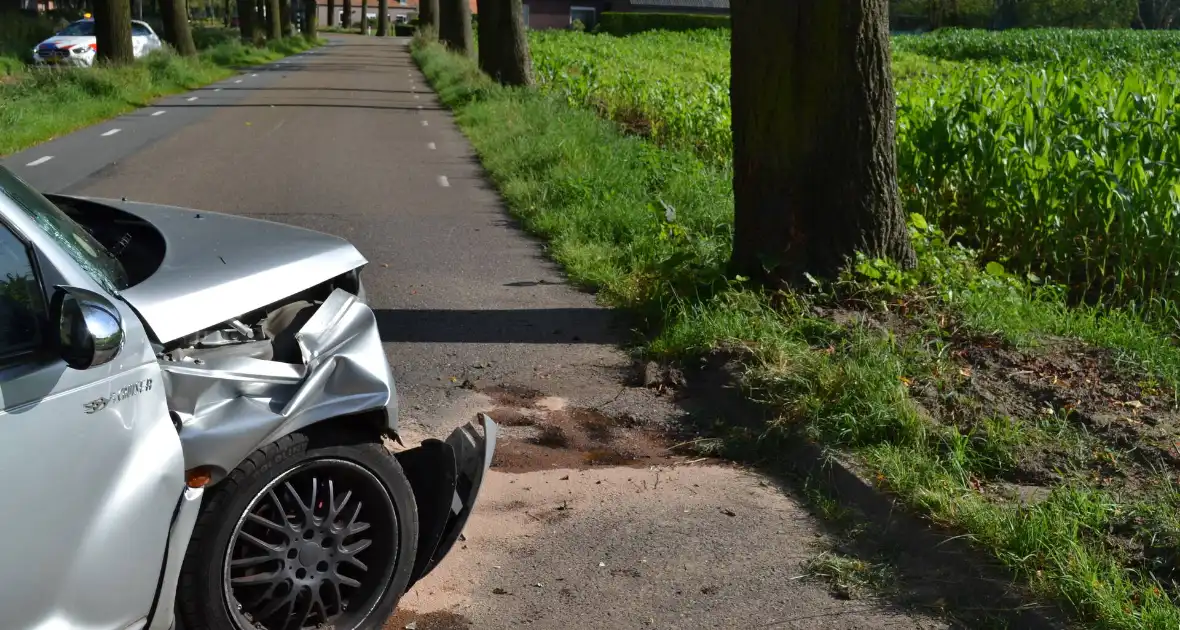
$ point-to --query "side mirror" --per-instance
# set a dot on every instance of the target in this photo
(89, 328)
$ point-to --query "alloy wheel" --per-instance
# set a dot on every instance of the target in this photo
(315, 548)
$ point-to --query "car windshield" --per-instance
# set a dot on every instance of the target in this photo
(106, 270)
(78, 29)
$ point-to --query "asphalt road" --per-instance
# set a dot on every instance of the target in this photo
(348, 139)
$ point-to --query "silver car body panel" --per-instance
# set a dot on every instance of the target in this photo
(218, 266)
(229, 406)
(88, 522)
(178, 539)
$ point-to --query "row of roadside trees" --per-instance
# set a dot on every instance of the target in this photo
(259, 21)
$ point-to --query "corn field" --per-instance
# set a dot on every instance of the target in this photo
(1053, 152)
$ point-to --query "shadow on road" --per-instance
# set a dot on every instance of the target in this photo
(509, 326)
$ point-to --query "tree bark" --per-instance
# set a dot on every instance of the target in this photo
(454, 26)
(346, 19)
(516, 65)
(261, 8)
(112, 30)
(176, 27)
(815, 170)
(246, 19)
(428, 16)
(382, 18)
(490, 46)
(331, 12)
(274, 21)
(364, 17)
(285, 13)
(310, 19)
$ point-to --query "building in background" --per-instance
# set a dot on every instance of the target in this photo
(408, 8)
(541, 14)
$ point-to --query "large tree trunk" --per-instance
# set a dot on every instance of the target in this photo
(331, 13)
(364, 17)
(454, 26)
(382, 18)
(428, 16)
(491, 41)
(176, 27)
(246, 19)
(261, 9)
(516, 64)
(285, 18)
(274, 19)
(346, 19)
(310, 19)
(815, 174)
(226, 16)
(112, 30)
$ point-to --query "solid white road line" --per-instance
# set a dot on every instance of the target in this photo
(111, 132)
(39, 161)
(159, 113)
(432, 146)
(443, 181)
(191, 99)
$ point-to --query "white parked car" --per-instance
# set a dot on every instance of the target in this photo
(76, 44)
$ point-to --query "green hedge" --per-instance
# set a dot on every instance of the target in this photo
(403, 30)
(630, 23)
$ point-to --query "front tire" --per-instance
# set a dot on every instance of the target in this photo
(303, 534)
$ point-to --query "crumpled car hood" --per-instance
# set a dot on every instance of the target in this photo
(218, 266)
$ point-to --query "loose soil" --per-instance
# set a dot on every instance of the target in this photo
(544, 434)
(405, 619)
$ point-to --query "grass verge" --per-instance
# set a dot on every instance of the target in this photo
(40, 104)
(1044, 434)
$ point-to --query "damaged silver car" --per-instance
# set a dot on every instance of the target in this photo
(193, 409)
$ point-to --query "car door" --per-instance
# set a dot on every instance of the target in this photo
(91, 461)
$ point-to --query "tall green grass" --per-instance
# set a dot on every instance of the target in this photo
(40, 104)
(1063, 165)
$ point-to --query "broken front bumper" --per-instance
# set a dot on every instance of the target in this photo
(446, 478)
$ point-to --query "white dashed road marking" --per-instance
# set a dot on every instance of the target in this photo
(111, 132)
(417, 97)
(159, 112)
(425, 123)
(238, 81)
(432, 147)
(39, 161)
(191, 99)
(254, 75)
(216, 89)
(443, 181)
